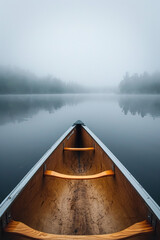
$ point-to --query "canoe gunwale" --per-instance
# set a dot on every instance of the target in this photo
(7, 202)
(153, 206)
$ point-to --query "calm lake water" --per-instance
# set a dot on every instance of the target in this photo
(128, 125)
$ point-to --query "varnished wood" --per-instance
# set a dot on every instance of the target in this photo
(79, 149)
(22, 229)
(67, 207)
(73, 177)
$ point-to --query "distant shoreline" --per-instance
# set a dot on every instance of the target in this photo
(84, 93)
(140, 84)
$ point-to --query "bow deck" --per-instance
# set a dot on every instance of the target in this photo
(77, 189)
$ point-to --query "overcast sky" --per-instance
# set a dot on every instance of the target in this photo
(88, 41)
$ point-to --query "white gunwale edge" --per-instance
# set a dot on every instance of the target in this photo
(143, 193)
(16, 191)
(6, 203)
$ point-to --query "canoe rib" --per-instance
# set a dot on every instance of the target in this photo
(22, 229)
(78, 149)
(74, 177)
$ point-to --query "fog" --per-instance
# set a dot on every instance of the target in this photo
(92, 42)
(142, 84)
(16, 81)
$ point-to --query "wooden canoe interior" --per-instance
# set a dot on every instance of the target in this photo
(83, 206)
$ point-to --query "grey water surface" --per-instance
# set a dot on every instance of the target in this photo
(128, 125)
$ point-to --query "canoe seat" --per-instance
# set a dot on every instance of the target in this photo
(78, 149)
(74, 177)
(24, 230)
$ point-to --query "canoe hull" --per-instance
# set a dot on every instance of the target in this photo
(80, 207)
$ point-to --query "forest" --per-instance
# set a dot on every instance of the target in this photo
(17, 81)
(140, 84)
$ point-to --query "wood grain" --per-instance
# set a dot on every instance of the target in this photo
(79, 149)
(70, 207)
(22, 229)
(74, 177)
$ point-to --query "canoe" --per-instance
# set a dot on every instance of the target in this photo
(79, 191)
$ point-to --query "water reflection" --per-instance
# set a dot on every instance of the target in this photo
(21, 107)
(30, 124)
(142, 105)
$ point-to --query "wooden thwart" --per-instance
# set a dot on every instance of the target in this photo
(78, 149)
(22, 229)
(75, 177)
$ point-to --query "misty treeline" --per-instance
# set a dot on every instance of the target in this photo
(144, 83)
(16, 81)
